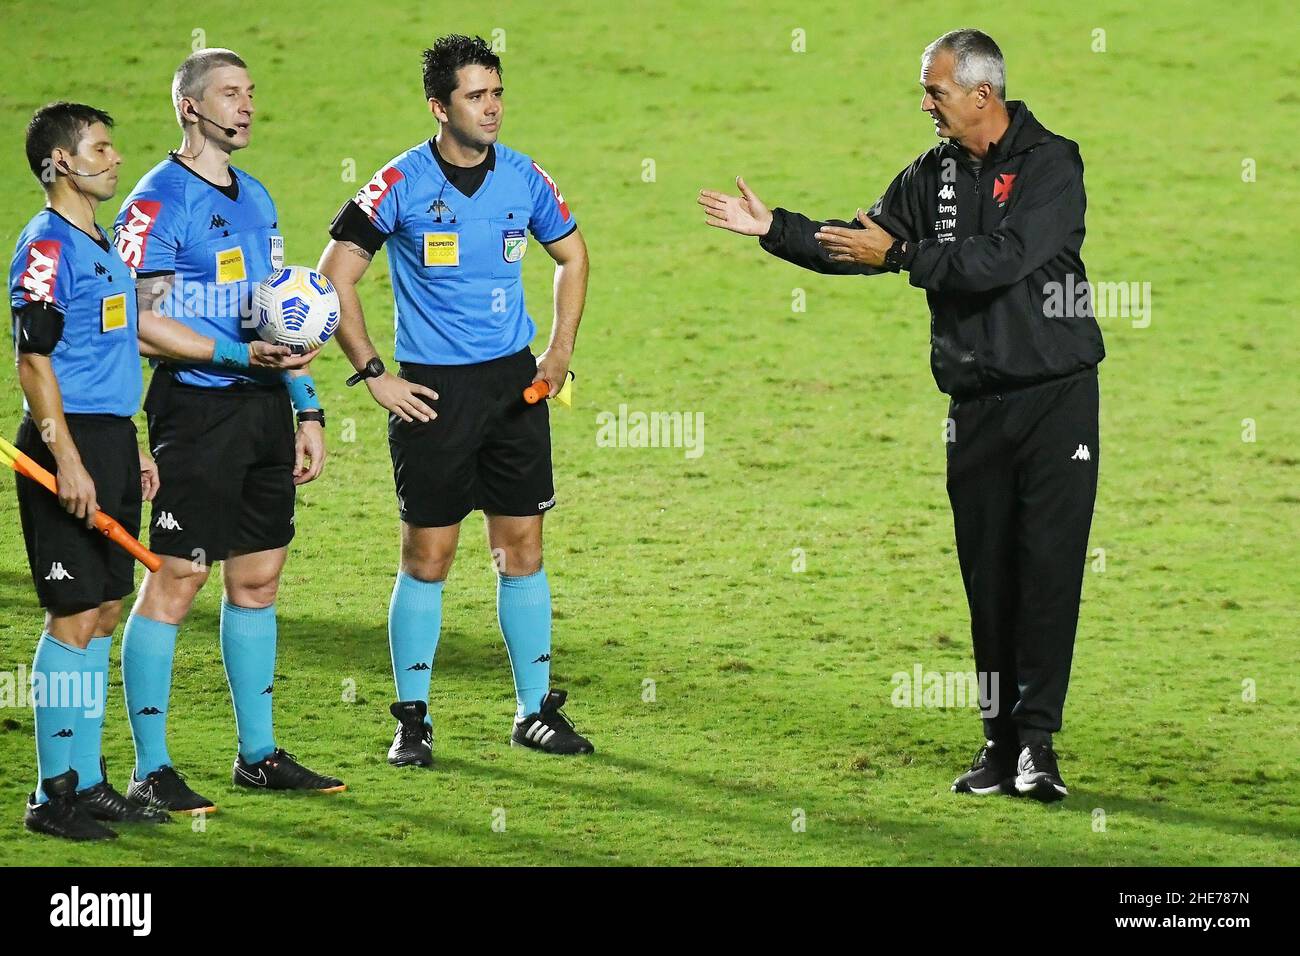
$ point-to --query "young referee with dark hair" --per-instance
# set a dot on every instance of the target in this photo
(455, 213)
(988, 224)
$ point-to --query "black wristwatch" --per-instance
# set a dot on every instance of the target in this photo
(896, 255)
(374, 368)
(312, 415)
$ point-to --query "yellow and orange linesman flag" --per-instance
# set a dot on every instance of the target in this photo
(539, 390)
(109, 527)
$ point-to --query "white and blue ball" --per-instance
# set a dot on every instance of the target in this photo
(297, 307)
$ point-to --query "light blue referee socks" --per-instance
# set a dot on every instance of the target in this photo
(524, 613)
(89, 733)
(56, 714)
(248, 638)
(414, 623)
(148, 647)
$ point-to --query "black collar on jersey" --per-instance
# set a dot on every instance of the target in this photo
(466, 179)
(100, 240)
(231, 192)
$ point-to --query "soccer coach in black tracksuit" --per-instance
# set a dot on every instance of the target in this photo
(990, 224)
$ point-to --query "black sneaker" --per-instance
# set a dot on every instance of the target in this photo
(549, 730)
(281, 771)
(413, 741)
(993, 771)
(61, 815)
(104, 803)
(166, 789)
(1037, 775)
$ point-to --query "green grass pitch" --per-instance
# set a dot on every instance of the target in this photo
(822, 449)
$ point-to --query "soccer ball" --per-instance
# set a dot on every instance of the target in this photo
(297, 307)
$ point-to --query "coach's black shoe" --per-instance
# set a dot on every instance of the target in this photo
(104, 803)
(166, 789)
(549, 730)
(993, 771)
(282, 771)
(61, 815)
(1037, 775)
(413, 741)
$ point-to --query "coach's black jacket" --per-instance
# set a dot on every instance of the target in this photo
(988, 266)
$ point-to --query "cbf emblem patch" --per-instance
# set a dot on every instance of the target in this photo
(514, 243)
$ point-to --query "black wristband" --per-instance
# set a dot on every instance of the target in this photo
(898, 255)
(312, 415)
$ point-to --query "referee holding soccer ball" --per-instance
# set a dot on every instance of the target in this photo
(989, 223)
(455, 213)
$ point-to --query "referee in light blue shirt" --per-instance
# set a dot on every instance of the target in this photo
(457, 213)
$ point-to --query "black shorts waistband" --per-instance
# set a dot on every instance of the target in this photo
(87, 419)
(469, 367)
(235, 389)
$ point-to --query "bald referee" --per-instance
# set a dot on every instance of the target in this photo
(456, 213)
(989, 223)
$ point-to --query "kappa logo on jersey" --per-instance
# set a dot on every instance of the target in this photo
(133, 234)
(1081, 454)
(58, 573)
(42, 269)
(167, 521)
(372, 193)
(102, 270)
(564, 207)
(947, 192)
(1002, 188)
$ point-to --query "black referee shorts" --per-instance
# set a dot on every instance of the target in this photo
(487, 449)
(225, 462)
(73, 567)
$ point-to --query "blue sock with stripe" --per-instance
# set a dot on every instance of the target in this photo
(414, 624)
(524, 613)
(88, 738)
(148, 649)
(248, 639)
(56, 716)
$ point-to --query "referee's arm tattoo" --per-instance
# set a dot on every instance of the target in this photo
(357, 250)
(152, 289)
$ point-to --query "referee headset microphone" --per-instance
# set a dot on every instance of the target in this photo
(228, 130)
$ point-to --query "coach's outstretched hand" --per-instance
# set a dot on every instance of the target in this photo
(744, 214)
(308, 452)
(404, 399)
(266, 355)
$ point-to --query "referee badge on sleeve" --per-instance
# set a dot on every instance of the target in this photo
(514, 243)
(441, 249)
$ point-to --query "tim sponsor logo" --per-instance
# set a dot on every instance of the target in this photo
(76, 909)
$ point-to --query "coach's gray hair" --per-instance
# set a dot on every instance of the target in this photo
(191, 79)
(978, 60)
